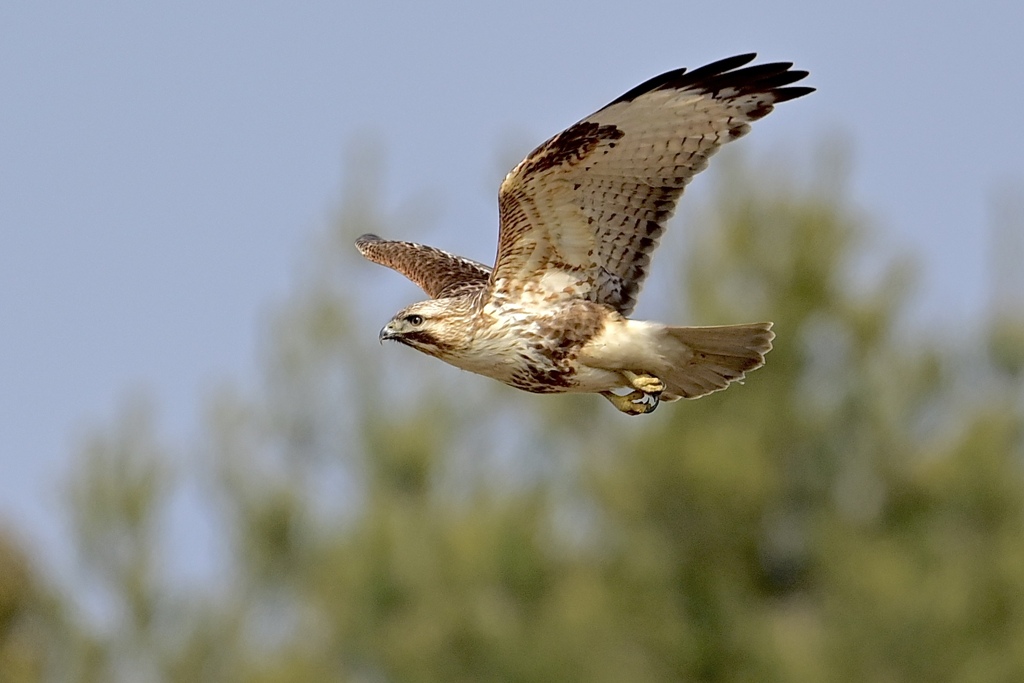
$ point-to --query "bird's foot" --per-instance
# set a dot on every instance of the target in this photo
(634, 403)
(648, 384)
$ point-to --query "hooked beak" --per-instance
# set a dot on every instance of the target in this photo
(387, 332)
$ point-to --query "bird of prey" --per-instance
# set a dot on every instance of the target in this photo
(580, 216)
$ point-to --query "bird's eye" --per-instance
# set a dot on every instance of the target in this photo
(414, 320)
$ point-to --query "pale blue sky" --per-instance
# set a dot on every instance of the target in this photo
(164, 166)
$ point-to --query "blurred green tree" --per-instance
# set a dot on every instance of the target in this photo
(855, 512)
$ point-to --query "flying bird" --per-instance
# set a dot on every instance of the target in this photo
(579, 219)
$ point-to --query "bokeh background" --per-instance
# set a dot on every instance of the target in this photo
(209, 470)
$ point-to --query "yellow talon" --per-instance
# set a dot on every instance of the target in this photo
(648, 384)
(634, 403)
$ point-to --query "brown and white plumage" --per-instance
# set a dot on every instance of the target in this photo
(436, 272)
(580, 216)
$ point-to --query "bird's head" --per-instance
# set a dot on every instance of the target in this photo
(435, 327)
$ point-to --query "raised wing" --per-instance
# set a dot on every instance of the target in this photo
(582, 213)
(436, 272)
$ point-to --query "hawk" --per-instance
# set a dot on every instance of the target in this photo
(580, 216)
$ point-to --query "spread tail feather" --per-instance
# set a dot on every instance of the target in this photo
(705, 359)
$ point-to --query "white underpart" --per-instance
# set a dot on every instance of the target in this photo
(496, 352)
(622, 345)
(633, 345)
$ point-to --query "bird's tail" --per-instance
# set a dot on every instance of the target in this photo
(705, 359)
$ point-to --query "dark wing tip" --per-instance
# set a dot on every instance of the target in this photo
(647, 86)
(785, 94)
(720, 67)
(681, 77)
(760, 78)
(727, 74)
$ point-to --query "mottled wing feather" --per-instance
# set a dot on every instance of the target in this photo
(582, 213)
(436, 272)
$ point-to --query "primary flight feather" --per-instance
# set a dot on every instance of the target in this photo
(580, 216)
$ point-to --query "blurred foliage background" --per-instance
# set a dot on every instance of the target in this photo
(854, 512)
